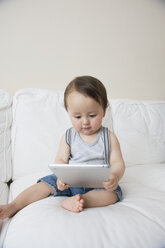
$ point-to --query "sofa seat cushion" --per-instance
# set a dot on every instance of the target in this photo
(132, 223)
(45, 224)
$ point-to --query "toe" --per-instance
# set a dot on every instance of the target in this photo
(77, 210)
(78, 197)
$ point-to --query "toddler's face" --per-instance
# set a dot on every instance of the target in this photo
(85, 113)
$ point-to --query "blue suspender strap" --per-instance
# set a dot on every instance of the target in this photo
(67, 136)
(106, 144)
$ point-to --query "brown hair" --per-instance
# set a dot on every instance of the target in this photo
(88, 86)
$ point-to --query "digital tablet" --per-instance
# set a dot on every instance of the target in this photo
(79, 175)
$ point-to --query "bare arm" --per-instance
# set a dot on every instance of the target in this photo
(63, 152)
(62, 157)
(116, 163)
(116, 159)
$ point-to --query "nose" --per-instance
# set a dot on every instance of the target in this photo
(85, 121)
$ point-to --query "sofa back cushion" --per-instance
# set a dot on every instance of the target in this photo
(5, 136)
(39, 120)
(140, 128)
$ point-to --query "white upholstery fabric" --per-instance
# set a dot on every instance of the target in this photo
(137, 221)
(140, 128)
(5, 136)
(39, 120)
(4, 191)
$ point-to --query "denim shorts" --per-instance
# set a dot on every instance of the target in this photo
(52, 179)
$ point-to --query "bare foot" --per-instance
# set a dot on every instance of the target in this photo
(7, 211)
(74, 204)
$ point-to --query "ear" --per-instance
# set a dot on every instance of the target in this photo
(105, 111)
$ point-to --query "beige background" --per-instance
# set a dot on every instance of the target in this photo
(46, 43)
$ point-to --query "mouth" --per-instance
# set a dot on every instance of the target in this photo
(86, 128)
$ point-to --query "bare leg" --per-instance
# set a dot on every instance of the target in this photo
(34, 193)
(93, 198)
(99, 198)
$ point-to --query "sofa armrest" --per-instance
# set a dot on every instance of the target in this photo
(5, 136)
(4, 193)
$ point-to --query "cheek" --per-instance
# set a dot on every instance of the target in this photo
(97, 122)
(75, 124)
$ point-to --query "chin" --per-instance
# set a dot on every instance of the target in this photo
(88, 132)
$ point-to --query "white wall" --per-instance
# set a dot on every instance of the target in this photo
(46, 43)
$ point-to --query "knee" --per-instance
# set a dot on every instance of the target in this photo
(112, 197)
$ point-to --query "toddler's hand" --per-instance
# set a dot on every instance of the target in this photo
(112, 183)
(61, 186)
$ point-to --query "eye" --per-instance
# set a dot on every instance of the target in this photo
(77, 116)
(92, 115)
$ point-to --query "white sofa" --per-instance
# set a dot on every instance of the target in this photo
(39, 119)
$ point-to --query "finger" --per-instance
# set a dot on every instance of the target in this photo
(67, 185)
(61, 183)
(112, 188)
(113, 182)
(108, 185)
(106, 182)
(111, 185)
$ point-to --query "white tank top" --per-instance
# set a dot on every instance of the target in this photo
(83, 153)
